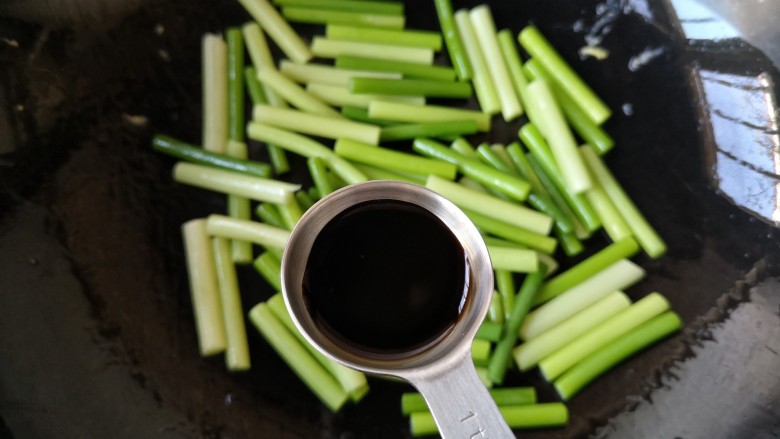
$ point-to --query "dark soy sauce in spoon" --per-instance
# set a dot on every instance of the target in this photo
(386, 277)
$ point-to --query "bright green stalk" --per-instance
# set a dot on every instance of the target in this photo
(512, 233)
(539, 48)
(644, 233)
(259, 189)
(315, 124)
(551, 414)
(316, 377)
(489, 156)
(412, 402)
(327, 48)
(464, 148)
(488, 176)
(269, 214)
(587, 130)
(278, 29)
(375, 173)
(237, 350)
(204, 290)
(407, 69)
(190, 153)
(482, 375)
(505, 284)
(586, 344)
(319, 175)
(513, 63)
(559, 137)
(490, 331)
(352, 381)
(253, 86)
(452, 39)
(480, 352)
(341, 96)
(522, 304)
(410, 87)
(270, 268)
(496, 311)
(615, 352)
(516, 260)
(571, 245)
(290, 212)
(500, 151)
(361, 115)
(530, 353)
(490, 206)
(239, 207)
(617, 276)
(625, 248)
(306, 147)
(293, 93)
(235, 75)
(394, 160)
(388, 7)
(429, 129)
(304, 199)
(324, 16)
(261, 234)
(487, 96)
(215, 93)
(611, 219)
(406, 37)
(327, 74)
(425, 113)
(485, 30)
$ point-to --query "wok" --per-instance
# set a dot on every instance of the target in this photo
(96, 331)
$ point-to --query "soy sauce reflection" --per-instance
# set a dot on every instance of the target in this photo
(386, 277)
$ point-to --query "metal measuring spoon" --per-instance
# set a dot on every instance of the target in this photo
(442, 371)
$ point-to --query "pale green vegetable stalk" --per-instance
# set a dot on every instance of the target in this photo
(480, 352)
(203, 288)
(516, 260)
(313, 374)
(401, 37)
(323, 16)
(259, 189)
(393, 160)
(328, 48)
(270, 268)
(551, 414)
(327, 74)
(560, 361)
(237, 352)
(239, 207)
(611, 219)
(528, 354)
(315, 124)
(259, 233)
(291, 212)
(483, 84)
(215, 93)
(278, 29)
(340, 96)
(401, 112)
(617, 276)
(513, 63)
(293, 93)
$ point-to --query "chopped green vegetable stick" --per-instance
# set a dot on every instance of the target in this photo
(260, 95)
(559, 137)
(646, 334)
(259, 189)
(341, 96)
(215, 93)
(490, 206)
(452, 39)
(464, 148)
(644, 233)
(617, 276)
(425, 113)
(522, 304)
(487, 95)
(240, 208)
(586, 344)
(539, 48)
(496, 311)
(190, 153)
(327, 74)
(407, 69)
(384, 7)
(278, 29)
(612, 221)
(305, 201)
(410, 87)
(500, 151)
(316, 124)
(306, 147)
(352, 381)
(490, 331)
(324, 16)
(259, 233)
(361, 115)
(278, 159)
(528, 354)
(428, 129)
(270, 268)
(412, 402)
(625, 248)
(471, 184)
(402, 37)
(550, 414)
(269, 214)
(327, 48)
(235, 75)
(319, 174)
(480, 352)
(253, 86)
(505, 284)
(293, 93)
(485, 31)
(375, 173)
(540, 151)
(290, 212)
(512, 233)
(316, 377)
(491, 178)
(237, 351)
(589, 131)
(492, 158)
(394, 160)
(571, 245)
(261, 56)
(204, 290)
(482, 375)
(560, 201)
(513, 63)
(516, 260)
